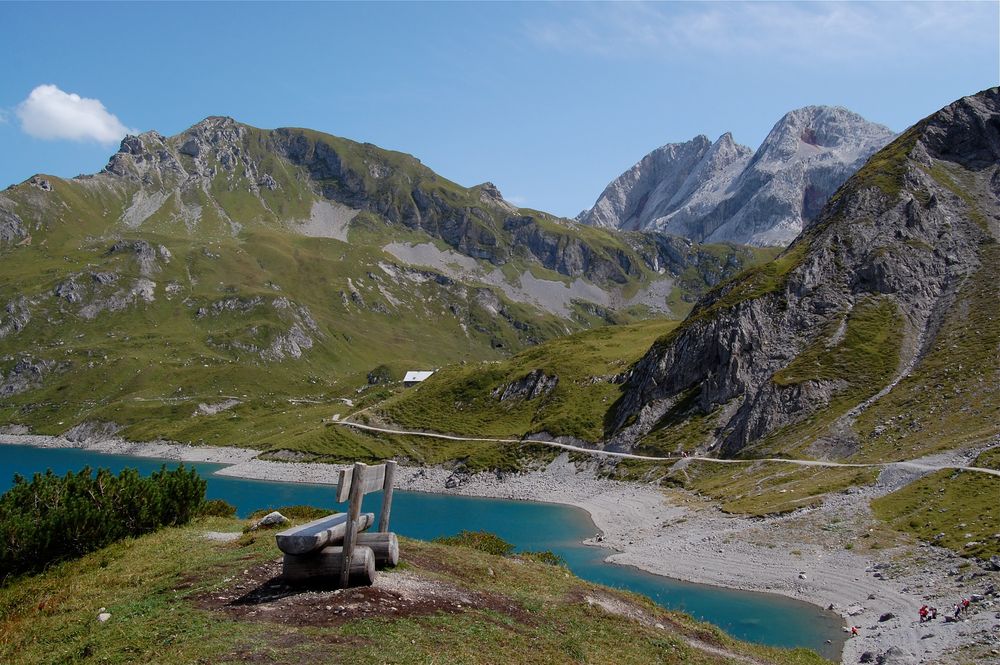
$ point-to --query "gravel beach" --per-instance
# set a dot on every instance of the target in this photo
(673, 533)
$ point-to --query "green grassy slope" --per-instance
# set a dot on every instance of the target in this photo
(953, 509)
(952, 397)
(175, 597)
(467, 399)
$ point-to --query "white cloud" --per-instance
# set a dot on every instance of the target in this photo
(825, 30)
(50, 113)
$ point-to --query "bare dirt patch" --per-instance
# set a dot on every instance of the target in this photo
(260, 593)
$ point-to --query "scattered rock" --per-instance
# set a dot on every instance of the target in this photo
(269, 521)
(885, 617)
(458, 478)
(103, 616)
(895, 656)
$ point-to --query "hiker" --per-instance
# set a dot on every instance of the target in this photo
(958, 608)
(854, 630)
(965, 604)
(923, 613)
(933, 614)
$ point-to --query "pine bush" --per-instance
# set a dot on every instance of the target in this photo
(53, 518)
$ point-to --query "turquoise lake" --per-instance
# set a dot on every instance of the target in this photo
(764, 618)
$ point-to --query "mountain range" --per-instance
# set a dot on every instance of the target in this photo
(200, 268)
(875, 335)
(727, 192)
(202, 283)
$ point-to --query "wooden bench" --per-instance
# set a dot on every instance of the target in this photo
(319, 533)
(334, 548)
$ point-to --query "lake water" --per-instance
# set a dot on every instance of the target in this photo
(764, 618)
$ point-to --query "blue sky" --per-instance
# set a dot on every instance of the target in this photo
(550, 101)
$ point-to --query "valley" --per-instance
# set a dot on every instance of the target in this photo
(818, 420)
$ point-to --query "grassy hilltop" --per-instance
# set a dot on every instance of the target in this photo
(176, 597)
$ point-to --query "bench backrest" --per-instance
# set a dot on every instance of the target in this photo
(353, 483)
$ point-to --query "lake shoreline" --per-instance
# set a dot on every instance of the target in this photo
(646, 528)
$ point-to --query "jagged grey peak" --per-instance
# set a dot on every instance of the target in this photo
(903, 233)
(669, 180)
(726, 192)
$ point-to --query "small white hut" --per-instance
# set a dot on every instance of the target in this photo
(413, 377)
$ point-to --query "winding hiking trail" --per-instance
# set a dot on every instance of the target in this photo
(913, 466)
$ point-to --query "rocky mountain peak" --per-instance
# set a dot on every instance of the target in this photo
(966, 132)
(490, 195)
(830, 128)
(762, 197)
(650, 189)
(725, 151)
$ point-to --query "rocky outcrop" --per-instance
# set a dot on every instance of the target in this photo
(725, 192)
(11, 228)
(146, 256)
(14, 317)
(901, 235)
(531, 386)
(26, 374)
(94, 300)
(295, 323)
(92, 431)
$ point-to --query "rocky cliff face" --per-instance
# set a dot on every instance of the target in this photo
(725, 192)
(787, 355)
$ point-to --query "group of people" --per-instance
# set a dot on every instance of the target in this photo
(927, 613)
(930, 613)
(961, 607)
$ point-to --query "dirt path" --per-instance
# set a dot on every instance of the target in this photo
(908, 465)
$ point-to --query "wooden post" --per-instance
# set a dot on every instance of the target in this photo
(390, 475)
(353, 512)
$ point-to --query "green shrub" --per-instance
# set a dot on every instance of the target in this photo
(295, 512)
(52, 518)
(483, 541)
(380, 375)
(217, 508)
(546, 556)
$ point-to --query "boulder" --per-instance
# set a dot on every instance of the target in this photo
(269, 521)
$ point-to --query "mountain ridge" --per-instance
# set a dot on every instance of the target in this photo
(849, 313)
(726, 191)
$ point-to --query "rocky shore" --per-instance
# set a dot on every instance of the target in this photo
(803, 555)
